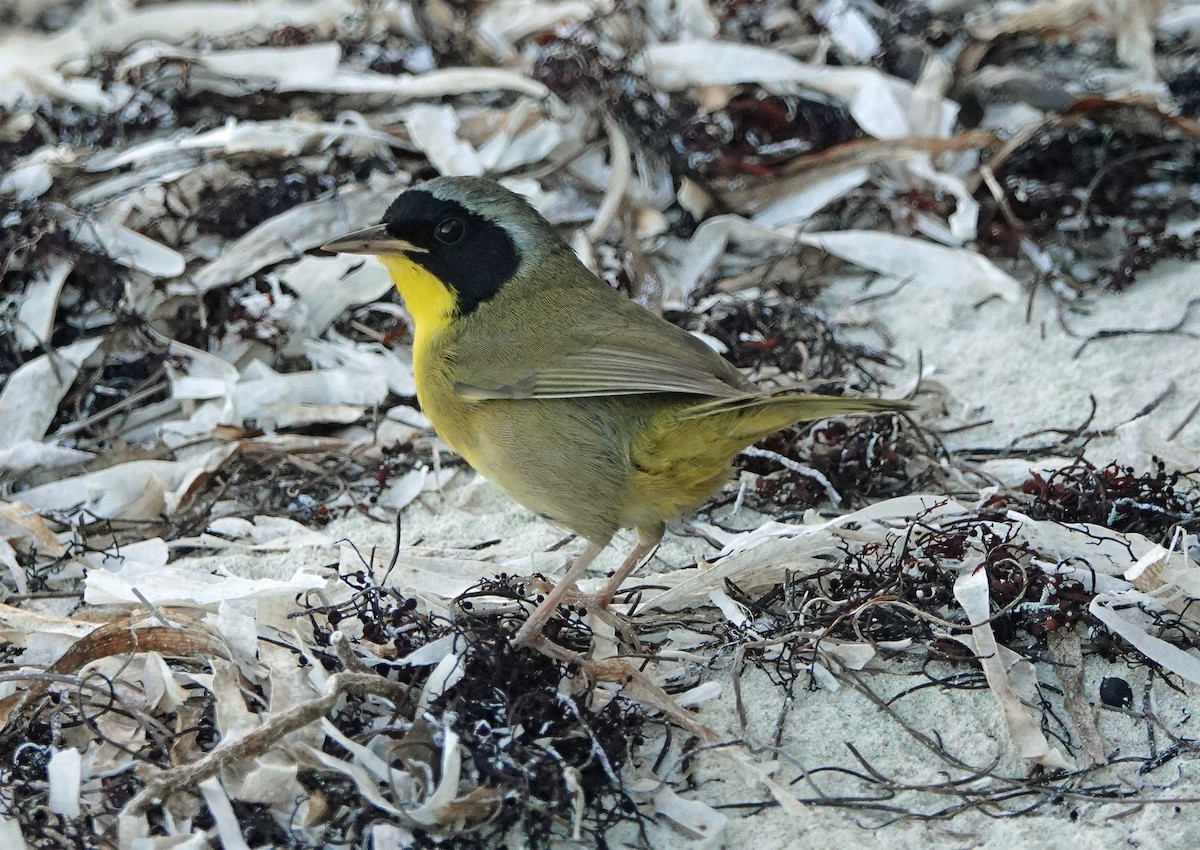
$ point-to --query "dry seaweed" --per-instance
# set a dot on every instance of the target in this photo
(1105, 180)
(753, 134)
(526, 740)
(1153, 503)
(1095, 193)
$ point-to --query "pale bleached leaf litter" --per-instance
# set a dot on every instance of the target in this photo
(350, 379)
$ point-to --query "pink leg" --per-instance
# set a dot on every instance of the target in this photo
(648, 540)
(531, 631)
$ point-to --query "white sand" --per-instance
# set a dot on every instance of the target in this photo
(1023, 375)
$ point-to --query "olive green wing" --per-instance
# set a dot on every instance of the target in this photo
(589, 343)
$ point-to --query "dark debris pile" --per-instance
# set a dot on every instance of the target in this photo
(1156, 504)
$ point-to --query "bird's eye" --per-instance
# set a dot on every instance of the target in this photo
(449, 230)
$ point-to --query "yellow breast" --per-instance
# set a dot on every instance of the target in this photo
(431, 305)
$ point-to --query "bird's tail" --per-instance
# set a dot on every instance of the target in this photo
(756, 415)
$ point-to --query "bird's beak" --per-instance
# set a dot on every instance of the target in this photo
(371, 240)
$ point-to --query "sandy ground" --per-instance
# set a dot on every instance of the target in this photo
(1026, 375)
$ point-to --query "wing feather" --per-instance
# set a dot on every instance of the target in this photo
(590, 341)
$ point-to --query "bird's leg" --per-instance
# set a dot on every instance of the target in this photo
(531, 631)
(648, 540)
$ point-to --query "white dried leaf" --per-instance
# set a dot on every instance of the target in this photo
(505, 22)
(138, 490)
(760, 558)
(1014, 472)
(435, 84)
(431, 811)
(1168, 576)
(918, 261)
(271, 399)
(262, 533)
(365, 782)
(224, 818)
(1171, 657)
(434, 131)
(1181, 20)
(29, 71)
(708, 244)
(163, 694)
(197, 374)
(930, 507)
(849, 29)
(733, 612)
(700, 694)
(694, 19)
(401, 492)
(302, 227)
(281, 69)
(237, 622)
(410, 416)
(180, 583)
(698, 819)
(284, 137)
(394, 365)
(10, 834)
(853, 656)
(65, 778)
(434, 578)
(390, 836)
(40, 304)
(18, 521)
(270, 779)
(1091, 579)
(373, 764)
(124, 246)
(117, 26)
(507, 152)
(33, 391)
(145, 178)
(962, 224)
(1096, 547)
(8, 559)
(30, 454)
(755, 775)
(824, 677)
(30, 176)
(877, 101)
(801, 204)
(1001, 671)
(446, 674)
(234, 720)
(326, 286)
(430, 653)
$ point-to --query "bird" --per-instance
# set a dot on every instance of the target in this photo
(573, 399)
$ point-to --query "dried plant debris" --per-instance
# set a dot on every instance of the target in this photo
(931, 596)
(1154, 504)
(1103, 181)
(752, 134)
(191, 400)
(537, 758)
(453, 737)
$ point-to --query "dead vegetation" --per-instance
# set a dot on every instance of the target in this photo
(182, 378)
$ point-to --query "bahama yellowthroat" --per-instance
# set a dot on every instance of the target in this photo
(577, 402)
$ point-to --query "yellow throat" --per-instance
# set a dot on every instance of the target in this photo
(429, 302)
